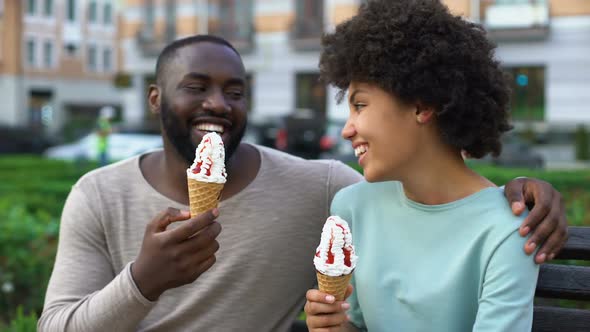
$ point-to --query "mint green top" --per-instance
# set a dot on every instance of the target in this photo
(452, 267)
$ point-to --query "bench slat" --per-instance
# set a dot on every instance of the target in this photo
(564, 282)
(578, 244)
(550, 319)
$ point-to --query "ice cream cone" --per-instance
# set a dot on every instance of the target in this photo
(335, 286)
(203, 196)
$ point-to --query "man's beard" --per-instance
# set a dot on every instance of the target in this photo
(180, 137)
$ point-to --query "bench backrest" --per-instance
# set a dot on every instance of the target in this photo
(571, 282)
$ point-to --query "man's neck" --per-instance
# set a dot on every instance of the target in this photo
(166, 172)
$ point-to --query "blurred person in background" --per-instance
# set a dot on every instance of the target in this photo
(104, 130)
(131, 257)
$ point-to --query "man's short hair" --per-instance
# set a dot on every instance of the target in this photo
(169, 52)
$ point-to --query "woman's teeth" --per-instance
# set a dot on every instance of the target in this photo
(210, 127)
(360, 150)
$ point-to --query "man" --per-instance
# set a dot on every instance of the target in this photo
(110, 275)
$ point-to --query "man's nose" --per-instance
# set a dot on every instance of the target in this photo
(216, 102)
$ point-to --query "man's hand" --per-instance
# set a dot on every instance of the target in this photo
(172, 258)
(324, 313)
(546, 220)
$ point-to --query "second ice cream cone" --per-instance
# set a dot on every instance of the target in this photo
(203, 196)
(335, 286)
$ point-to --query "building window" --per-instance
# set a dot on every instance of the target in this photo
(528, 93)
(170, 12)
(31, 52)
(48, 8)
(150, 18)
(236, 19)
(309, 21)
(71, 10)
(107, 62)
(48, 54)
(108, 14)
(311, 93)
(91, 60)
(71, 49)
(92, 11)
(31, 7)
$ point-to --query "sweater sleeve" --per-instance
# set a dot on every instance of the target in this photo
(84, 293)
(506, 301)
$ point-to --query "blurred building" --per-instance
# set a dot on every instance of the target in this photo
(57, 62)
(279, 41)
(544, 44)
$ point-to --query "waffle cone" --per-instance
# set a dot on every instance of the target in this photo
(335, 286)
(203, 196)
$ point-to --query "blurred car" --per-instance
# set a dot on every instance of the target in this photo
(300, 133)
(121, 146)
(336, 147)
(15, 140)
(516, 153)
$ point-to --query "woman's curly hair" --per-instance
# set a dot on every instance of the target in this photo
(419, 52)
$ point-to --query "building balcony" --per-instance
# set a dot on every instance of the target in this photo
(150, 44)
(240, 36)
(516, 21)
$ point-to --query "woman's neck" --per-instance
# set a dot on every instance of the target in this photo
(438, 175)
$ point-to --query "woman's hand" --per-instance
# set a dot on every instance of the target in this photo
(324, 313)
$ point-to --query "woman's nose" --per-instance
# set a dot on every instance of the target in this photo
(348, 132)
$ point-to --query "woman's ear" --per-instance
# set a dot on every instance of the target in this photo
(154, 99)
(424, 114)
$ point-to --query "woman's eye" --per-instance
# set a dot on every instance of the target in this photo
(358, 106)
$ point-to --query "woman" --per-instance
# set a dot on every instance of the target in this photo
(438, 247)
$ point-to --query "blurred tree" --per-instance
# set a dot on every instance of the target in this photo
(582, 146)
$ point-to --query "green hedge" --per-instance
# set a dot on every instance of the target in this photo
(33, 191)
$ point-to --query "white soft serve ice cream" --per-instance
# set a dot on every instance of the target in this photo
(209, 164)
(335, 255)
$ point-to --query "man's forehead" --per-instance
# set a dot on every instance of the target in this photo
(209, 55)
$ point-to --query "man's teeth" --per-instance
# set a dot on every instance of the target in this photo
(360, 150)
(210, 127)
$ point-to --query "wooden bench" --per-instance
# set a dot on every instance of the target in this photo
(565, 282)
(557, 282)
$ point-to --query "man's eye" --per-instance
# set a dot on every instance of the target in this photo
(195, 88)
(236, 94)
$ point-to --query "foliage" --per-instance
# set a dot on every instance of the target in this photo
(22, 322)
(582, 144)
(32, 194)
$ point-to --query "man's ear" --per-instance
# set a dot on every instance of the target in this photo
(154, 98)
(424, 114)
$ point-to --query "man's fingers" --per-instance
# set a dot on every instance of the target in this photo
(538, 214)
(554, 242)
(165, 218)
(513, 191)
(541, 233)
(202, 239)
(193, 226)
